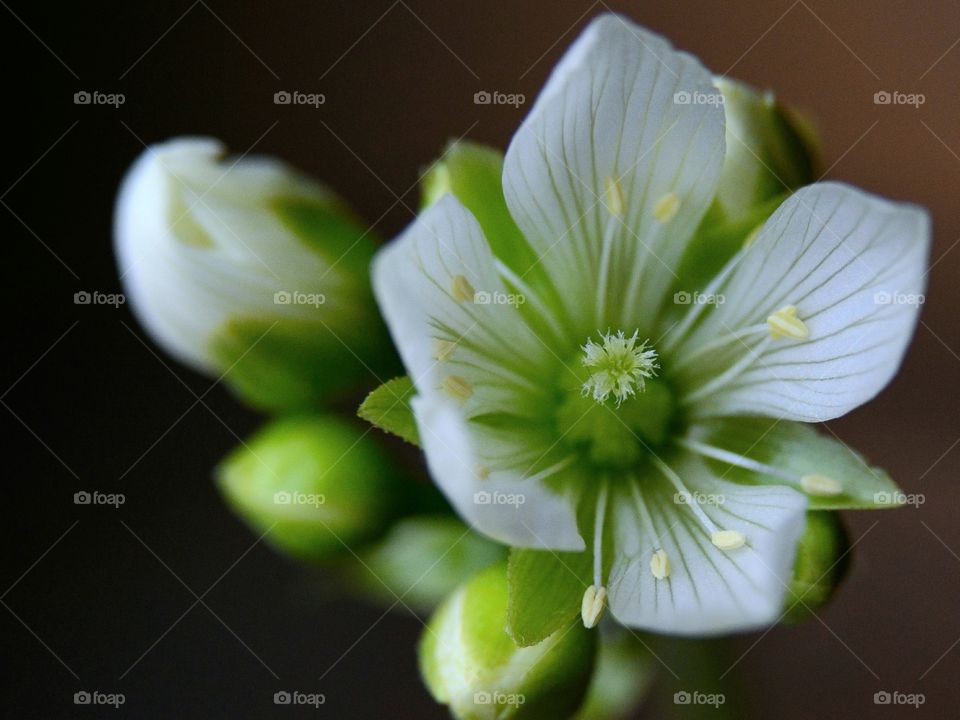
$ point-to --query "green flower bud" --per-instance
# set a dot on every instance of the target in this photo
(474, 175)
(247, 269)
(770, 150)
(470, 663)
(822, 562)
(423, 559)
(314, 485)
(623, 675)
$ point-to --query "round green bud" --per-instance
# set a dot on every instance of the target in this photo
(315, 485)
(247, 269)
(470, 663)
(821, 564)
(423, 558)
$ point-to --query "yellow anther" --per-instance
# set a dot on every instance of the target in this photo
(462, 289)
(820, 485)
(614, 195)
(785, 323)
(443, 349)
(728, 539)
(458, 387)
(482, 472)
(660, 564)
(593, 605)
(666, 208)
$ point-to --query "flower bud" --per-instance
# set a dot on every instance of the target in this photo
(424, 558)
(247, 269)
(821, 564)
(470, 663)
(315, 485)
(770, 150)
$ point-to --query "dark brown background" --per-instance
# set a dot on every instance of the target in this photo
(96, 410)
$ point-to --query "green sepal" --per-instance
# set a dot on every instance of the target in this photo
(821, 564)
(545, 591)
(388, 408)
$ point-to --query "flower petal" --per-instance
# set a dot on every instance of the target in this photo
(850, 266)
(758, 450)
(477, 368)
(706, 590)
(618, 159)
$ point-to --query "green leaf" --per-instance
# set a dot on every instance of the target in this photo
(821, 564)
(545, 591)
(388, 407)
(797, 449)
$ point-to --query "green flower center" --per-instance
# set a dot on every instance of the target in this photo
(620, 410)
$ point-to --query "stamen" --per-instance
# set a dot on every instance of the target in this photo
(666, 207)
(660, 564)
(813, 484)
(443, 349)
(821, 485)
(552, 470)
(619, 365)
(462, 289)
(728, 376)
(599, 516)
(482, 472)
(785, 323)
(592, 606)
(728, 539)
(751, 238)
(719, 342)
(457, 386)
(723, 539)
(614, 195)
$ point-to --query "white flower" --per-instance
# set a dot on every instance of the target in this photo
(691, 509)
(243, 265)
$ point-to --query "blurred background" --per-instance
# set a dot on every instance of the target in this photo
(169, 599)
